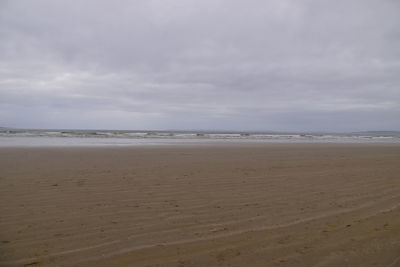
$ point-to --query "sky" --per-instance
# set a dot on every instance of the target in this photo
(244, 65)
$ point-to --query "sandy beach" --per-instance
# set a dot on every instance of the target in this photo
(201, 205)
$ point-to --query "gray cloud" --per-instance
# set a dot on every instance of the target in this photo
(241, 65)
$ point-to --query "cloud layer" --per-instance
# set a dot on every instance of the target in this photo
(283, 65)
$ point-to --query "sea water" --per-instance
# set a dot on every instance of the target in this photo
(29, 137)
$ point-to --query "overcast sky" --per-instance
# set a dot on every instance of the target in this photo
(280, 65)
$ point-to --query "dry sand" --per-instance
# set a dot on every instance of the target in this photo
(226, 205)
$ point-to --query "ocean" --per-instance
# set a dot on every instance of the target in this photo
(51, 137)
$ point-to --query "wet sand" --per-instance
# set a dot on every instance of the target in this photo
(220, 205)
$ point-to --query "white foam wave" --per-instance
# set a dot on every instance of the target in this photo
(199, 135)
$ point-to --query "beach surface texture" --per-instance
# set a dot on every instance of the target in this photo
(201, 205)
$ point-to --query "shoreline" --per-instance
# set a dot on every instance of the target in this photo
(23, 141)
